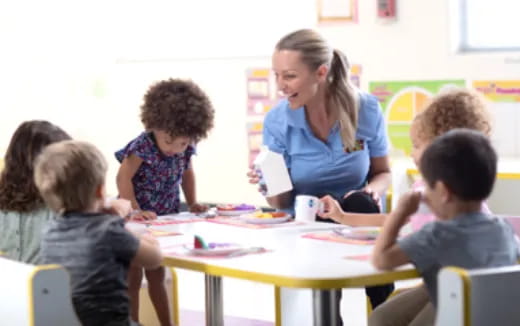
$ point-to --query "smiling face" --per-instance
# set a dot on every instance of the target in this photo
(296, 80)
(169, 145)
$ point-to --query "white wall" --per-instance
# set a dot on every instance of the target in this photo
(86, 66)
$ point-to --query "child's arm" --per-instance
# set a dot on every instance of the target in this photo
(148, 254)
(387, 254)
(126, 172)
(334, 212)
(188, 188)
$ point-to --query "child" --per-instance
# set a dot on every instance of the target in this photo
(23, 213)
(92, 245)
(176, 114)
(459, 169)
(459, 108)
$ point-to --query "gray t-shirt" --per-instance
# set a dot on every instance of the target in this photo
(96, 250)
(474, 240)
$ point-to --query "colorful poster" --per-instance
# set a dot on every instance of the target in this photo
(261, 91)
(401, 101)
(504, 105)
(254, 140)
(355, 75)
(499, 90)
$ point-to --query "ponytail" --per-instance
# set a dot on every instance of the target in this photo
(342, 95)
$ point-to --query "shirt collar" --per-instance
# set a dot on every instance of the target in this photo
(469, 218)
(296, 118)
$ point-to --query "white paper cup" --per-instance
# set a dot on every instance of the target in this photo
(306, 207)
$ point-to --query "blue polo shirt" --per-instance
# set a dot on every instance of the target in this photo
(319, 168)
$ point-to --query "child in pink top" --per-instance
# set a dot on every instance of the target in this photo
(455, 109)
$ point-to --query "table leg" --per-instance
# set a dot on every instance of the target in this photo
(214, 307)
(325, 309)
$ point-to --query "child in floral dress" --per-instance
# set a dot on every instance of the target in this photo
(176, 114)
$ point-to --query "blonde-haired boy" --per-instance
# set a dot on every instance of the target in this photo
(87, 239)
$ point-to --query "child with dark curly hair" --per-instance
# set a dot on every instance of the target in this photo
(23, 214)
(176, 114)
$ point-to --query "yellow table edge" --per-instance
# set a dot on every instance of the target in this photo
(285, 281)
(500, 175)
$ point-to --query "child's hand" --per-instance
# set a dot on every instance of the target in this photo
(139, 215)
(149, 238)
(331, 209)
(121, 207)
(408, 204)
(198, 208)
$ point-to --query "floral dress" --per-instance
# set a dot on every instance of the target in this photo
(156, 182)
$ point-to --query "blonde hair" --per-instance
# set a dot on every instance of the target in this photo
(457, 108)
(68, 173)
(341, 93)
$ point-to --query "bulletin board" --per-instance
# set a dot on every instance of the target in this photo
(337, 11)
(504, 105)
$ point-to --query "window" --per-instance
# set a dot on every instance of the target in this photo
(489, 25)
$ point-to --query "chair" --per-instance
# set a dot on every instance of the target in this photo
(480, 297)
(35, 295)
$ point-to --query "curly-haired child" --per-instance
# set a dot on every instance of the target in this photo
(459, 108)
(176, 114)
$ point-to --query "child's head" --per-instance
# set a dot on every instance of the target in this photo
(178, 113)
(17, 189)
(71, 177)
(459, 166)
(458, 108)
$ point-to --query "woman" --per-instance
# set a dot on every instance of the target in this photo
(332, 135)
(23, 213)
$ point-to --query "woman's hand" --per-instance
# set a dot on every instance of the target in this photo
(198, 208)
(254, 178)
(331, 209)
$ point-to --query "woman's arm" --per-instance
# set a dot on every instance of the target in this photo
(280, 201)
(379, 177)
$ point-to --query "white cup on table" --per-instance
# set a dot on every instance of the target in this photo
(306, 207)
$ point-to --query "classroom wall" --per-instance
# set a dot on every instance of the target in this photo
(86, 66)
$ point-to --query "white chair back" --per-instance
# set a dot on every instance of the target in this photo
(480, 297)
(35, 295)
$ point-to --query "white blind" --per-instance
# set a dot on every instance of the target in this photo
(490, 25)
